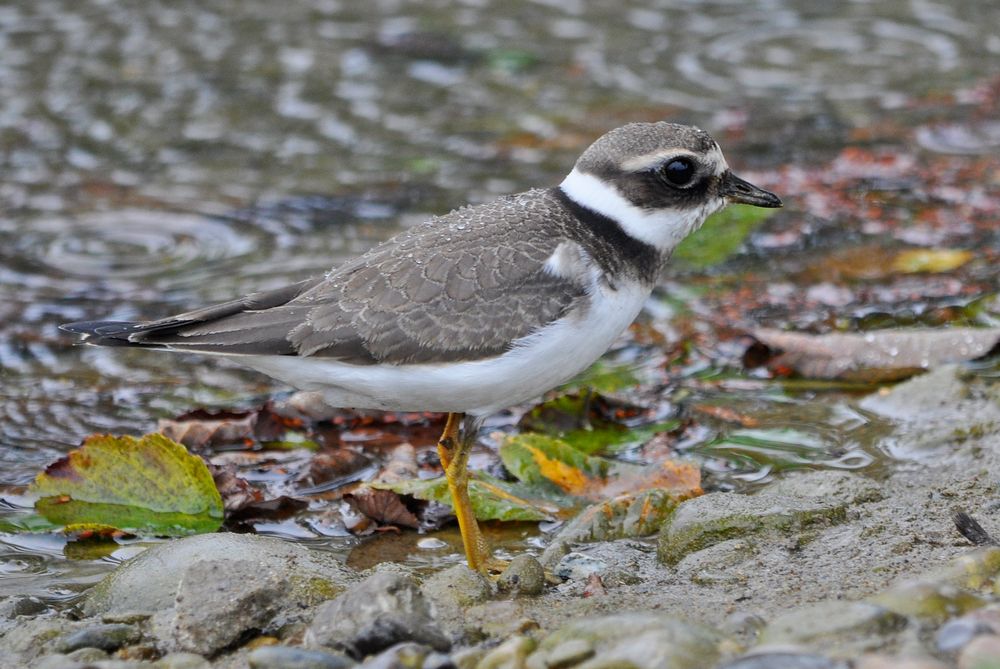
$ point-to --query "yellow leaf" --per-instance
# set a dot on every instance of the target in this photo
(566, 476)
(915, 261)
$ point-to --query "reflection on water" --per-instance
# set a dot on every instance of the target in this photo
(161, 155)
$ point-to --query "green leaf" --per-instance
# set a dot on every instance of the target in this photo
(721, 236)
(147, 486)
(492, 499)
(605, 377)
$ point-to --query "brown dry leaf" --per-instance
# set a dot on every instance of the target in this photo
(881, 355)
(199, 429)
(382, 506)
(725, 414)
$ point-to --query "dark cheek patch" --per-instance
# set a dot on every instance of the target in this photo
(647, 190)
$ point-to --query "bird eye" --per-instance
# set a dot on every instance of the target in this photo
(679, 171)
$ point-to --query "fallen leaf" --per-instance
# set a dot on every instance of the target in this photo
(491, 498)
(880, 355)
(721, 236)
(382, 506)
(540, 460)
(147, 486)
(913, 261)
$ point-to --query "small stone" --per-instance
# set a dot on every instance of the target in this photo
(897, 662)
(510, 654)
(744, 625)
(983, 652)
(220, 601)
(182, 660)
(846, 626)
(928, 600)
(783, 659)
(579, 566)
(956, 634)
(87, 655)
(106, 637)
(639, 640)
(457, 587)
(524, 575)
(569, 653)
(554, 552)
(381, 611)
(287, 657)
(24, 605)
(407, 655)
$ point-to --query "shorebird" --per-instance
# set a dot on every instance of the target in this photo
(482, 308)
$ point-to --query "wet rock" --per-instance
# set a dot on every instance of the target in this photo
(843, 627)
(983, 652)
(928, 600)
(938, 408)
(793, 505)
(511, 654)
(218, 602)
(744, 626)
(149, 581)
(524, 575)
(287, 657)
(105, 637)
(182, 661)
(579, 566)
(783, 659)
(638, 640)
(384, 609)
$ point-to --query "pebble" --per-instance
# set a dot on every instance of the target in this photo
(288, 657)
(579, 567)
(182, 660)
(106, 637)
(511, 654)
(780, 659)
(896, 662)
(983, 652)
(456, 588)
(524, 575)
(956, 634)
(381, 611)
(846, 626)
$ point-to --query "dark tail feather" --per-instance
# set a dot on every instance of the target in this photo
(106, 333)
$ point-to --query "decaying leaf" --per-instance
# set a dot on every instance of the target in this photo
(536, 459)
(492, 499)
(720, 236)
(912, 261)
(148, 486)
(881, 355)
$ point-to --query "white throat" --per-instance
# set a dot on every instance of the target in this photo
(663, 229)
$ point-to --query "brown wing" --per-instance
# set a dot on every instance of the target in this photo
(460, 287)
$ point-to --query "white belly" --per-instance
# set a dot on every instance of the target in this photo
(534, 365)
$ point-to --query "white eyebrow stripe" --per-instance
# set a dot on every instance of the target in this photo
(650, 160)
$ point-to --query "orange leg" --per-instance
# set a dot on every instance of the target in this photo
(453, 449)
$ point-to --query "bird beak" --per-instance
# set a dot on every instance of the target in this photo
(738, 191)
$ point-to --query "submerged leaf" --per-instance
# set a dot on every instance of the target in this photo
(913, 261)
(150, 486)
(492, 499)
(538, 460)
(721, 236)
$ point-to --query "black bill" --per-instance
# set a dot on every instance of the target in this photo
(738, 191)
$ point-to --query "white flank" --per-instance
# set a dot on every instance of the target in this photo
(661, 228)
(537, 363)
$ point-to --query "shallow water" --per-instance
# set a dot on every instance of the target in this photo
(160, 155)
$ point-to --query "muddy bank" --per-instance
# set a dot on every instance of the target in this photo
(813, 570)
